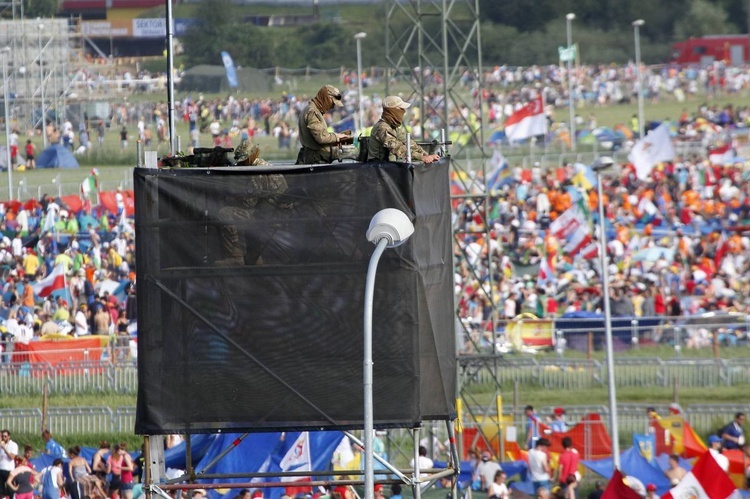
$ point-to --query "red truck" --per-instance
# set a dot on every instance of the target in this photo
(733, 50)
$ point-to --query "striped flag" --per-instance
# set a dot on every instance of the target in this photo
(529, 121)
(54, 281)
(721, 155)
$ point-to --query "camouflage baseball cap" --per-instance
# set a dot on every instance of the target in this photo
(243, 151)
(335, 94)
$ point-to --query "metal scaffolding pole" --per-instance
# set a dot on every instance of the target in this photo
(434, 46)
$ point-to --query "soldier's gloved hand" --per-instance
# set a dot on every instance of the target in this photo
(349, 152)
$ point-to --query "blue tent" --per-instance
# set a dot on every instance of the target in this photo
(56, 156)
(632, 463)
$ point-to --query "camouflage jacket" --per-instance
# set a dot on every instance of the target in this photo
(389, 144)
(314, 134)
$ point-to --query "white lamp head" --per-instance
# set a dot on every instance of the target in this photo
(570, 16)
(360, 35)
(391, 224)
(639, 22)
(602, 163)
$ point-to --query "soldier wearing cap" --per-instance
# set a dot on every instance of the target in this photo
(318, 144)
(388, 137)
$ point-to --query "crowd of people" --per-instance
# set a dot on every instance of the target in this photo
(676, 242)
(94, 252)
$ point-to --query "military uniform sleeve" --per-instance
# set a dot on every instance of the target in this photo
(319, 130)
(416, 151)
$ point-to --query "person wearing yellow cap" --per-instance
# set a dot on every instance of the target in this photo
(388, 137)
(318, 144)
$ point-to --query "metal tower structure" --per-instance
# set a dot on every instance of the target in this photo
(434, 46)
(38, 72)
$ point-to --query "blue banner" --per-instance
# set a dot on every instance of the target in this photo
(231, 71)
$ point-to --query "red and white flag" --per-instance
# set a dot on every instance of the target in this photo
(570, 221)
(705, 481)
(529, 121)
(55, 280)
(721, 155)
(590, 251)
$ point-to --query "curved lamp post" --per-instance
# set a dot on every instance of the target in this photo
(602, 164)
(388, 228)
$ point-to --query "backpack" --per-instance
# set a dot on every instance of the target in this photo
(364, 145)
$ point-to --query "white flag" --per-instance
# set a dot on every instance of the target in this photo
(297, 458)
(650, 150)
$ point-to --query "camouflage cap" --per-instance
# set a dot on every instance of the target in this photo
(335, 94)
(243, 151)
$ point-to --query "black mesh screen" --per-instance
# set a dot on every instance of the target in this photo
(250, 298)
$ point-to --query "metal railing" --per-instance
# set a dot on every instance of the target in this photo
(564, 374)
(71, 420)
(29, 378)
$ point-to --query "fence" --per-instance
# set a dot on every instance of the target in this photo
(29, 378)
(564, 374)
(64, 421)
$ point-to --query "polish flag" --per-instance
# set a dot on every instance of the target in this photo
(705, 481)
(529, 121)
(721, 155)
(578, 241)
(54, 281)
(590, 251)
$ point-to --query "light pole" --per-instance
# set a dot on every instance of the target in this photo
(571, 104)
(359, 36)
(602, 164)
(388, 228)
(637, 33)
(41, 88)
(6, 105)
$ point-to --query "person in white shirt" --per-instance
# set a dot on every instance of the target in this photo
(539, 468)
(498, 488)
(82, 320)
(8, 453)
(425, 463)
(714, 443)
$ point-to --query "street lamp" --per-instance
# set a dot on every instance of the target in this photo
(602, 164)
(359, 36)
(637, 33)
(571, 105)
(388, 228)
(41, 88)
(6, 105)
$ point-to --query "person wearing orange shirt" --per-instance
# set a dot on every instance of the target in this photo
(27, 299)
(563, 202)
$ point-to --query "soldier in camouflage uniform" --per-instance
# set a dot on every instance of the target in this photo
(263, 192)
(318, 144)
(388, 137)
